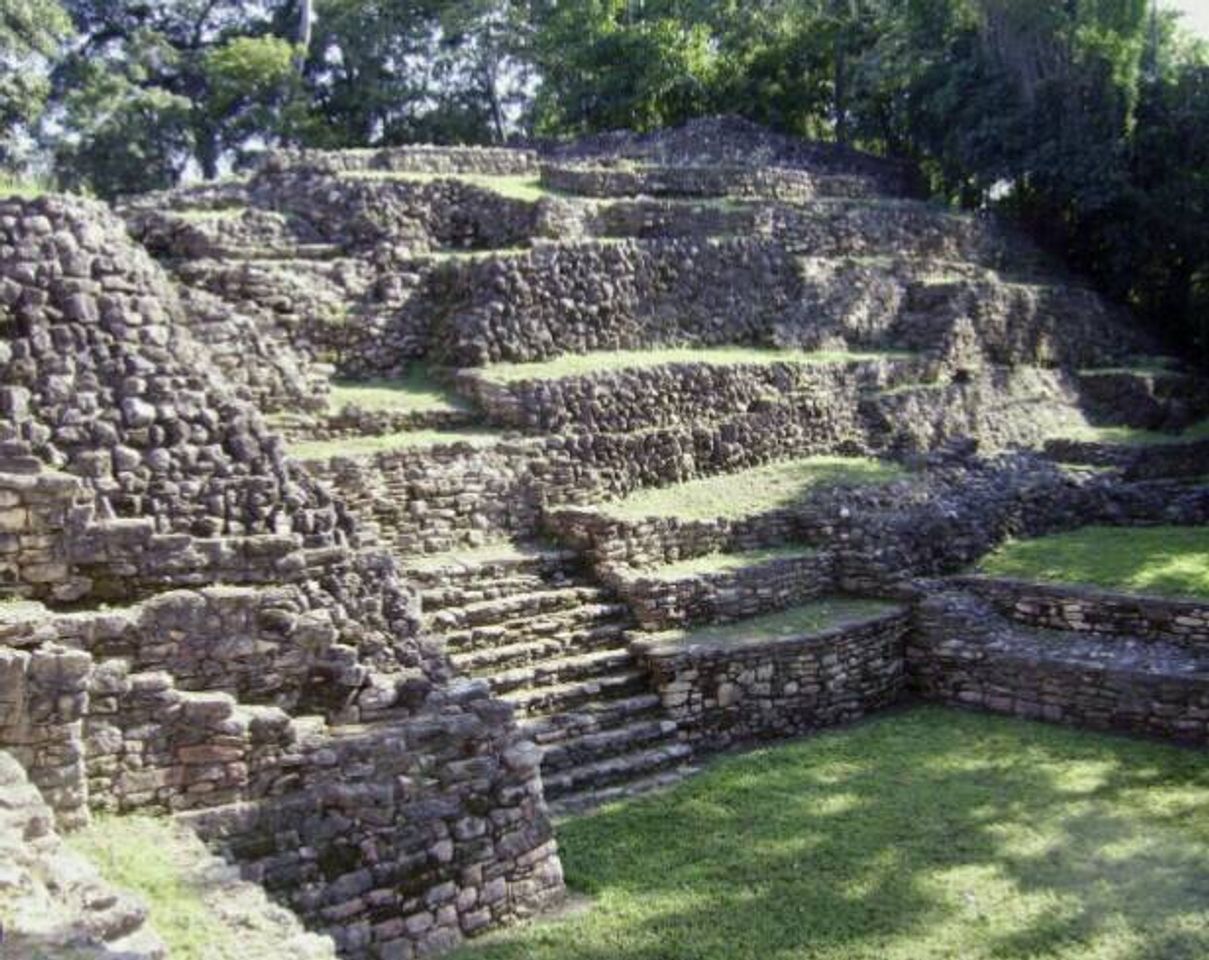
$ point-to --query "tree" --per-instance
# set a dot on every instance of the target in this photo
(31, 34)
(152, 88)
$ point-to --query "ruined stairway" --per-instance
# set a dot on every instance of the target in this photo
(554, 646)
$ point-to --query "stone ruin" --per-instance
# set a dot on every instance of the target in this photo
(370, 675)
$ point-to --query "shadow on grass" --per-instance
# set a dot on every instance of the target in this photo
(921, 835)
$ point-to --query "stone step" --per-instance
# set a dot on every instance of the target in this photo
(593, 747)
(506, 609)
(472, 592)
(550, 673)
(561, 697)
(484, 660)
(590, 718)
(551, 626)
(479, 569)
(581, 801)
(625, 768)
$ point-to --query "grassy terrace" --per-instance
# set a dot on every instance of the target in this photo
(1131, 436)
(584, 364)
(403, 440)
(417, 392)
(722, 562)
(926, 835)
(748, 492)
(795, 622)
(1167, 561)
(158, 860)
(520, 187)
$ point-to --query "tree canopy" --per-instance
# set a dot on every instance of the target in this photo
(1088, 119)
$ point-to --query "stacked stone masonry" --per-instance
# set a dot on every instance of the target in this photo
(366, 678)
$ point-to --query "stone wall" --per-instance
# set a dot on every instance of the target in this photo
(1050, 606)
(736, 691)
(663, 602)
(785, 184)
(1178, 458)
(400, 840)
(583, 297)
(730, 140)
(677, 393)
(102, 379)
(488, 161)
(961, 652)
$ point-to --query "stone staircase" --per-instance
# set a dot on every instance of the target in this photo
(554, 645)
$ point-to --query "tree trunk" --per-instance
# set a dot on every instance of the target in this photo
(306, 26)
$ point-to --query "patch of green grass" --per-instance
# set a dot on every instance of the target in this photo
(417, 392)
(406, 439)
(466, 557)
(1131, 436)
(926, 835)
(584, 364)
(525, 187)
(150, 857)
(1143, 366)
(1168, 561)
(202, 216)
(748, 492)
(723, 562)
(21, 187)
(795, 622)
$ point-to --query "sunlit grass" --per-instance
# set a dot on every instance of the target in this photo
(753, 491)
(416, 392)
(723, 562)
(21, 188)
(525, 187)
(383, 443)
(152, 858)
(797, 621)
(1132, 436)
(582, 364)
(1169, 561)
(929, 835)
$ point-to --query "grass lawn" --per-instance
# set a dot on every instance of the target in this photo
(749, 492)
(927, 835)
(608, 361)
(1135, 437)
(519, 187)
(417, 392)
(797, 621)
(1169, 561)
(366, 446)
(21, 188)
(196, 913)
(721, 562)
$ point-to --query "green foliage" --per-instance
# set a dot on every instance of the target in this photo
(31, 32)
(926, 835)
(1169, 561)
